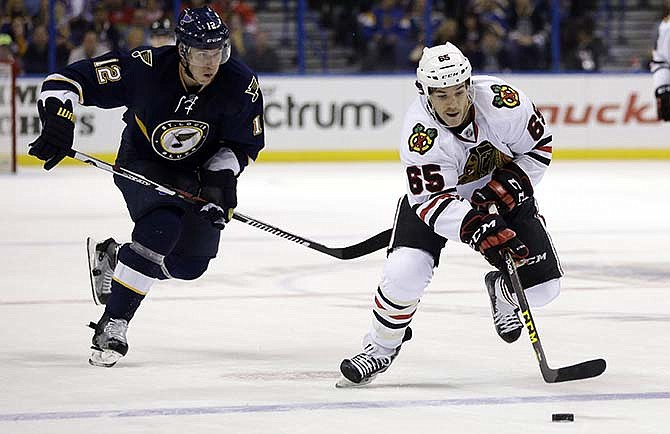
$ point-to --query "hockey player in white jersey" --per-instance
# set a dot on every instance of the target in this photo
(467, 142)
(660, 66)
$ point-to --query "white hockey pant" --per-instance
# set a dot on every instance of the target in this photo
(541, 294)
(407, 273)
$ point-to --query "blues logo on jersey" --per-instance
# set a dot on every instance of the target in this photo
(175, 140)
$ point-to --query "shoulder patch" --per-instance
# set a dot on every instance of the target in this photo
(504, 96)
(252, 89)
(145, 56)
(421, 139)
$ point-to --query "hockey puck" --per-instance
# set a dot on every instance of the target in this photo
(562, 417)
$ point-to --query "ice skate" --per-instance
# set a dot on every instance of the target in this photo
(364, 367)
(101, 264)
(109, 341)
(505, 318)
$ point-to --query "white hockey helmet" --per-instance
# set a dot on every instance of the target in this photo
(442, 66)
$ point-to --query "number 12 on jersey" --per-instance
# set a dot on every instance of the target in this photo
(107, 70)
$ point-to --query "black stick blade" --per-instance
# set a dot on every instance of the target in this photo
(378, 242)
(580, 371)
(363, 248)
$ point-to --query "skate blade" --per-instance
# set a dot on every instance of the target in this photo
(90, 250)
(104, 358)
(345, 383)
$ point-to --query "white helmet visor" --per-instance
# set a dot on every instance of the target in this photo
(203, 58)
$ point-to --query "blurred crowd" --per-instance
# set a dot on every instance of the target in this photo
(88, 28)
(496, 35)
(381, 35)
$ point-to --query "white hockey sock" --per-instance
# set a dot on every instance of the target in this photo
(391, 318)
(132, 279)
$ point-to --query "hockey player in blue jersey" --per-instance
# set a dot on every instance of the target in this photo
(194, 120)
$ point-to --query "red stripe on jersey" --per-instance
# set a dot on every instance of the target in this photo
(406, 316)
(544, 148)
(435, 201)
(379, 305)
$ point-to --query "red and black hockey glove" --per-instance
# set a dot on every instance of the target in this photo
(663, 102)
(57, 134)
(220, 189)
(509, 187)
(489, 235)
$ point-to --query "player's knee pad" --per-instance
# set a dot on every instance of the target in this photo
(407, 273)
(135, 272)
(159, 230)
(143, 260)
(186, 268)
(543, 293)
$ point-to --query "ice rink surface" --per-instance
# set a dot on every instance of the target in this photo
(254, 346)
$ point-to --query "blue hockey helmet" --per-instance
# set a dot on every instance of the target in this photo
(202, 29)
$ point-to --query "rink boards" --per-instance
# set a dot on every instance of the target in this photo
(354, 117)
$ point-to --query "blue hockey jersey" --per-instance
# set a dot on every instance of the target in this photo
(165, 120)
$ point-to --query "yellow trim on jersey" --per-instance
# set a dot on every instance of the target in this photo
(387, 155)
(125, 285)
(142, 128)
(29, 160)
(72, 82)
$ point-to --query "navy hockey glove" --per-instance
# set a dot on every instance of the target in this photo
(489, 235)
(509, 187)
(663, 102)
(220, 189)
(57, 134)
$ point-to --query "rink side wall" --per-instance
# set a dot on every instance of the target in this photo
(358, 118)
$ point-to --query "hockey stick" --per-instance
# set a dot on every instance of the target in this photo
(580, 371)
(363, 248)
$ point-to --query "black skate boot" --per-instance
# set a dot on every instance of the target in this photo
(364, 367)
(505, 318)
(101, 264)
(109, 341)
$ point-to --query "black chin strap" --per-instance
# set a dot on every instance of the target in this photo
(198, 87)
(183, 52)
(187, 69)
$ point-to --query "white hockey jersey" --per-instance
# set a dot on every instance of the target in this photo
(444, 168)
(660, 63)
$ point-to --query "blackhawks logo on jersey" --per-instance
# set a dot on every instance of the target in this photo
(422, 139)
(176, 140)
(483, 159)
(505, 96)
